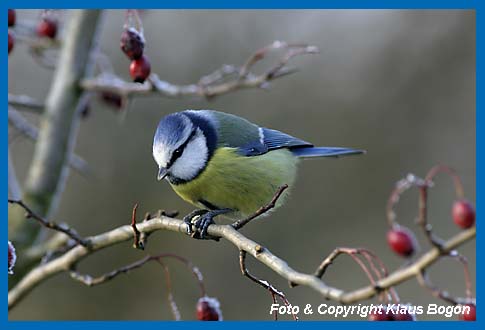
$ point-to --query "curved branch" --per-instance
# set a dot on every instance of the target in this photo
(226, 79)
(65, 262)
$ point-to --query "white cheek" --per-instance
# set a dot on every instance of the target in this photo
(193, 159)
(161, 156)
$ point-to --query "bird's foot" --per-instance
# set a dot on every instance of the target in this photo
(201, 220)
(189, 217)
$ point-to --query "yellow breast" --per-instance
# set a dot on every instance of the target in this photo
(241, 183)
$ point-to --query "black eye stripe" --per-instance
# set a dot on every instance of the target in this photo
(180, 150)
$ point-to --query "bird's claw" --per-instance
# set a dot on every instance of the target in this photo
(201, 220)
(190, 217)
(201, 224)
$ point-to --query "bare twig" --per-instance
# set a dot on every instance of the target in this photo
(125, 233)
(460, 192)
(265, 284)
(211, 85)
(380, 271)
(25, 102)
(403, 185)
(168, 284)
(241, 223)
(92, 281)
(32, 132)
(136, 234)
(423, 217)
(424, 281)
(30, 214)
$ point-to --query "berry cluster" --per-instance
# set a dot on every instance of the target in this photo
(403, 241)
(46, 28)
(132, 43)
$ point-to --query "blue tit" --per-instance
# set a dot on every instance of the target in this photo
(225, 164)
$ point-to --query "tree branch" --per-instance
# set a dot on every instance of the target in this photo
(59, 123)
(224, 80)
(23, 126)
(65, 262)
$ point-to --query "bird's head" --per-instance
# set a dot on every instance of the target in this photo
(180, 148)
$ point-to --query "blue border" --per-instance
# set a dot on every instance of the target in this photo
(247, 4)
(251, 4)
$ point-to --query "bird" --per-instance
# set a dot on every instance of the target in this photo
(226, 165)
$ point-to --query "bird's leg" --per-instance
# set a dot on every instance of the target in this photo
(205, 220)
(188, 219)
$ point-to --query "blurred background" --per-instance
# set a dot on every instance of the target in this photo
(400, 84)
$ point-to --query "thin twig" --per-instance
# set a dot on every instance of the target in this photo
(25, 102)
(423, 218)
(136, 234)
(242, 222)
(211, 85)
(265, 284)
(460, 192)
(354, 253)
(403, 185)
(51, 225)
(92, 281)
(424, 281)
(168, 284)
(30, 131)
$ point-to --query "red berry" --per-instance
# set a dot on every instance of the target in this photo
(471, 315)
(402, 241)
(140, 69)
(208, 309)
(11, 17)
(11, 41)
(132, 43)
(380, 314)
(12, 257)
(463, 214)
(47, 28)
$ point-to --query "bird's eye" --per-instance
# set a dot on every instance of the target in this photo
(177, 153)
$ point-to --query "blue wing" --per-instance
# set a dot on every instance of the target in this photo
(274, 139)
(270, 139)
(324, 152)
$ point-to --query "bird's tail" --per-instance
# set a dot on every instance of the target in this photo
(310, 152)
